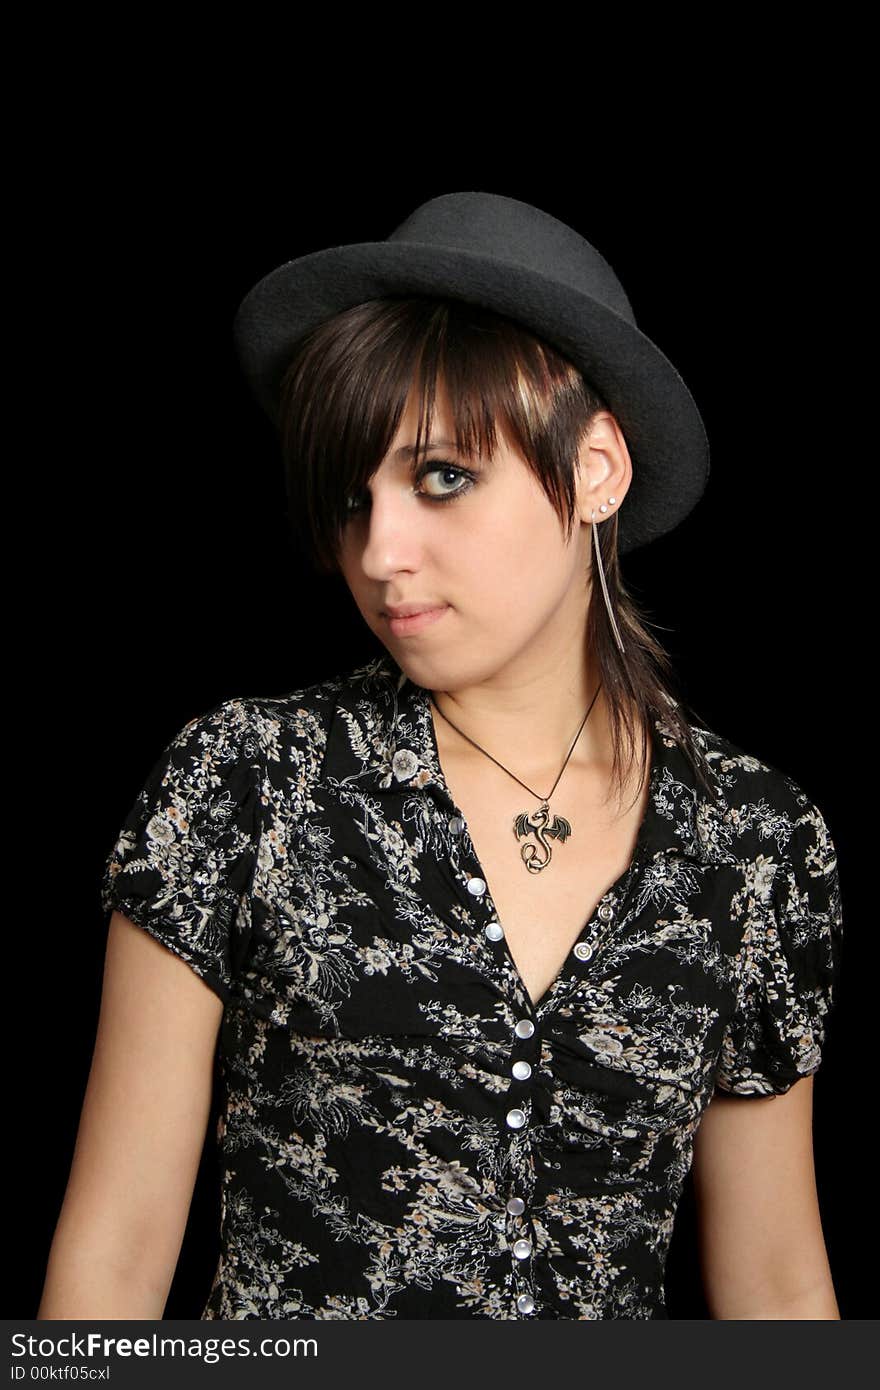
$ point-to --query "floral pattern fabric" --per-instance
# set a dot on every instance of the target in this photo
(403, 1133)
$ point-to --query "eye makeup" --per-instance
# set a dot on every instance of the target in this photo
(436, 466)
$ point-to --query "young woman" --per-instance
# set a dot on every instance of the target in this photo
(496, 939)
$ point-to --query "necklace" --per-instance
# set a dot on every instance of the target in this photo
(539, 822)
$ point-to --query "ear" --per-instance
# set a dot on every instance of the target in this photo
(603, 469)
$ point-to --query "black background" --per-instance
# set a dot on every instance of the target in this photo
(161, 578)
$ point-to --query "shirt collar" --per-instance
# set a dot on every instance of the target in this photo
(381, 737)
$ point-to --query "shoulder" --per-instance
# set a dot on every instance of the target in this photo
(295, 723)
(762, 807)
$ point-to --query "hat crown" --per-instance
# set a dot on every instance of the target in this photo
(490, 224)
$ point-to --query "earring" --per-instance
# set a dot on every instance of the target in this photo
(598, 557)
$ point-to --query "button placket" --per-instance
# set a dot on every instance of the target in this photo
(516, 1119)
(520, 1234)
(493, 931)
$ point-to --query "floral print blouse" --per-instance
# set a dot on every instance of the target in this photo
(403, 1133)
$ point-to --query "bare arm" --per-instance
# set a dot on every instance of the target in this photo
(140, 1137)
(761, 1244)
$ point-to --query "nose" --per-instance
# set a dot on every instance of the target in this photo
(391, 531)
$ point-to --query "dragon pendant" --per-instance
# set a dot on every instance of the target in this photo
(537, 824)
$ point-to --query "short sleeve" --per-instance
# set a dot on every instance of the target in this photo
(184, 859)
(792, 973)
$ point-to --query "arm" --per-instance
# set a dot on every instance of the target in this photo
(140, 1137)
(762, 1250)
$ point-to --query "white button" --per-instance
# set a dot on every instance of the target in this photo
(522, 1249)
(456, 825)
(525, 1303)
(606, 912)
(476, 886)
(522, 1070)
(583, 950)
(494, 931)
(516, 1118)
(524, 1028)
(516, 1206)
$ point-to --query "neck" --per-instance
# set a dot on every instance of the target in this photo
(527, 724)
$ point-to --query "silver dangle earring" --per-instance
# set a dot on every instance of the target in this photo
(598, 559)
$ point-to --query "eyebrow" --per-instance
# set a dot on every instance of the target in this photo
(409, 450)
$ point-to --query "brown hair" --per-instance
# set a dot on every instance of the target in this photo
(341, 400)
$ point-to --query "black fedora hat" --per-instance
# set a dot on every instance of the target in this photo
(503, 254)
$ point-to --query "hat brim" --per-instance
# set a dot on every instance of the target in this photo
(662, 426)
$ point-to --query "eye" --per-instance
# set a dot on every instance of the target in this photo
(447, 474)
(443, 469)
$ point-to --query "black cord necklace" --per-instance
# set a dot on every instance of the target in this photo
(538, 823)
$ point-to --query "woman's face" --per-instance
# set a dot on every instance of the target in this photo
(492, 555)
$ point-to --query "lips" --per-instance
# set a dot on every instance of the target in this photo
(409, 610)
(410, 623)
